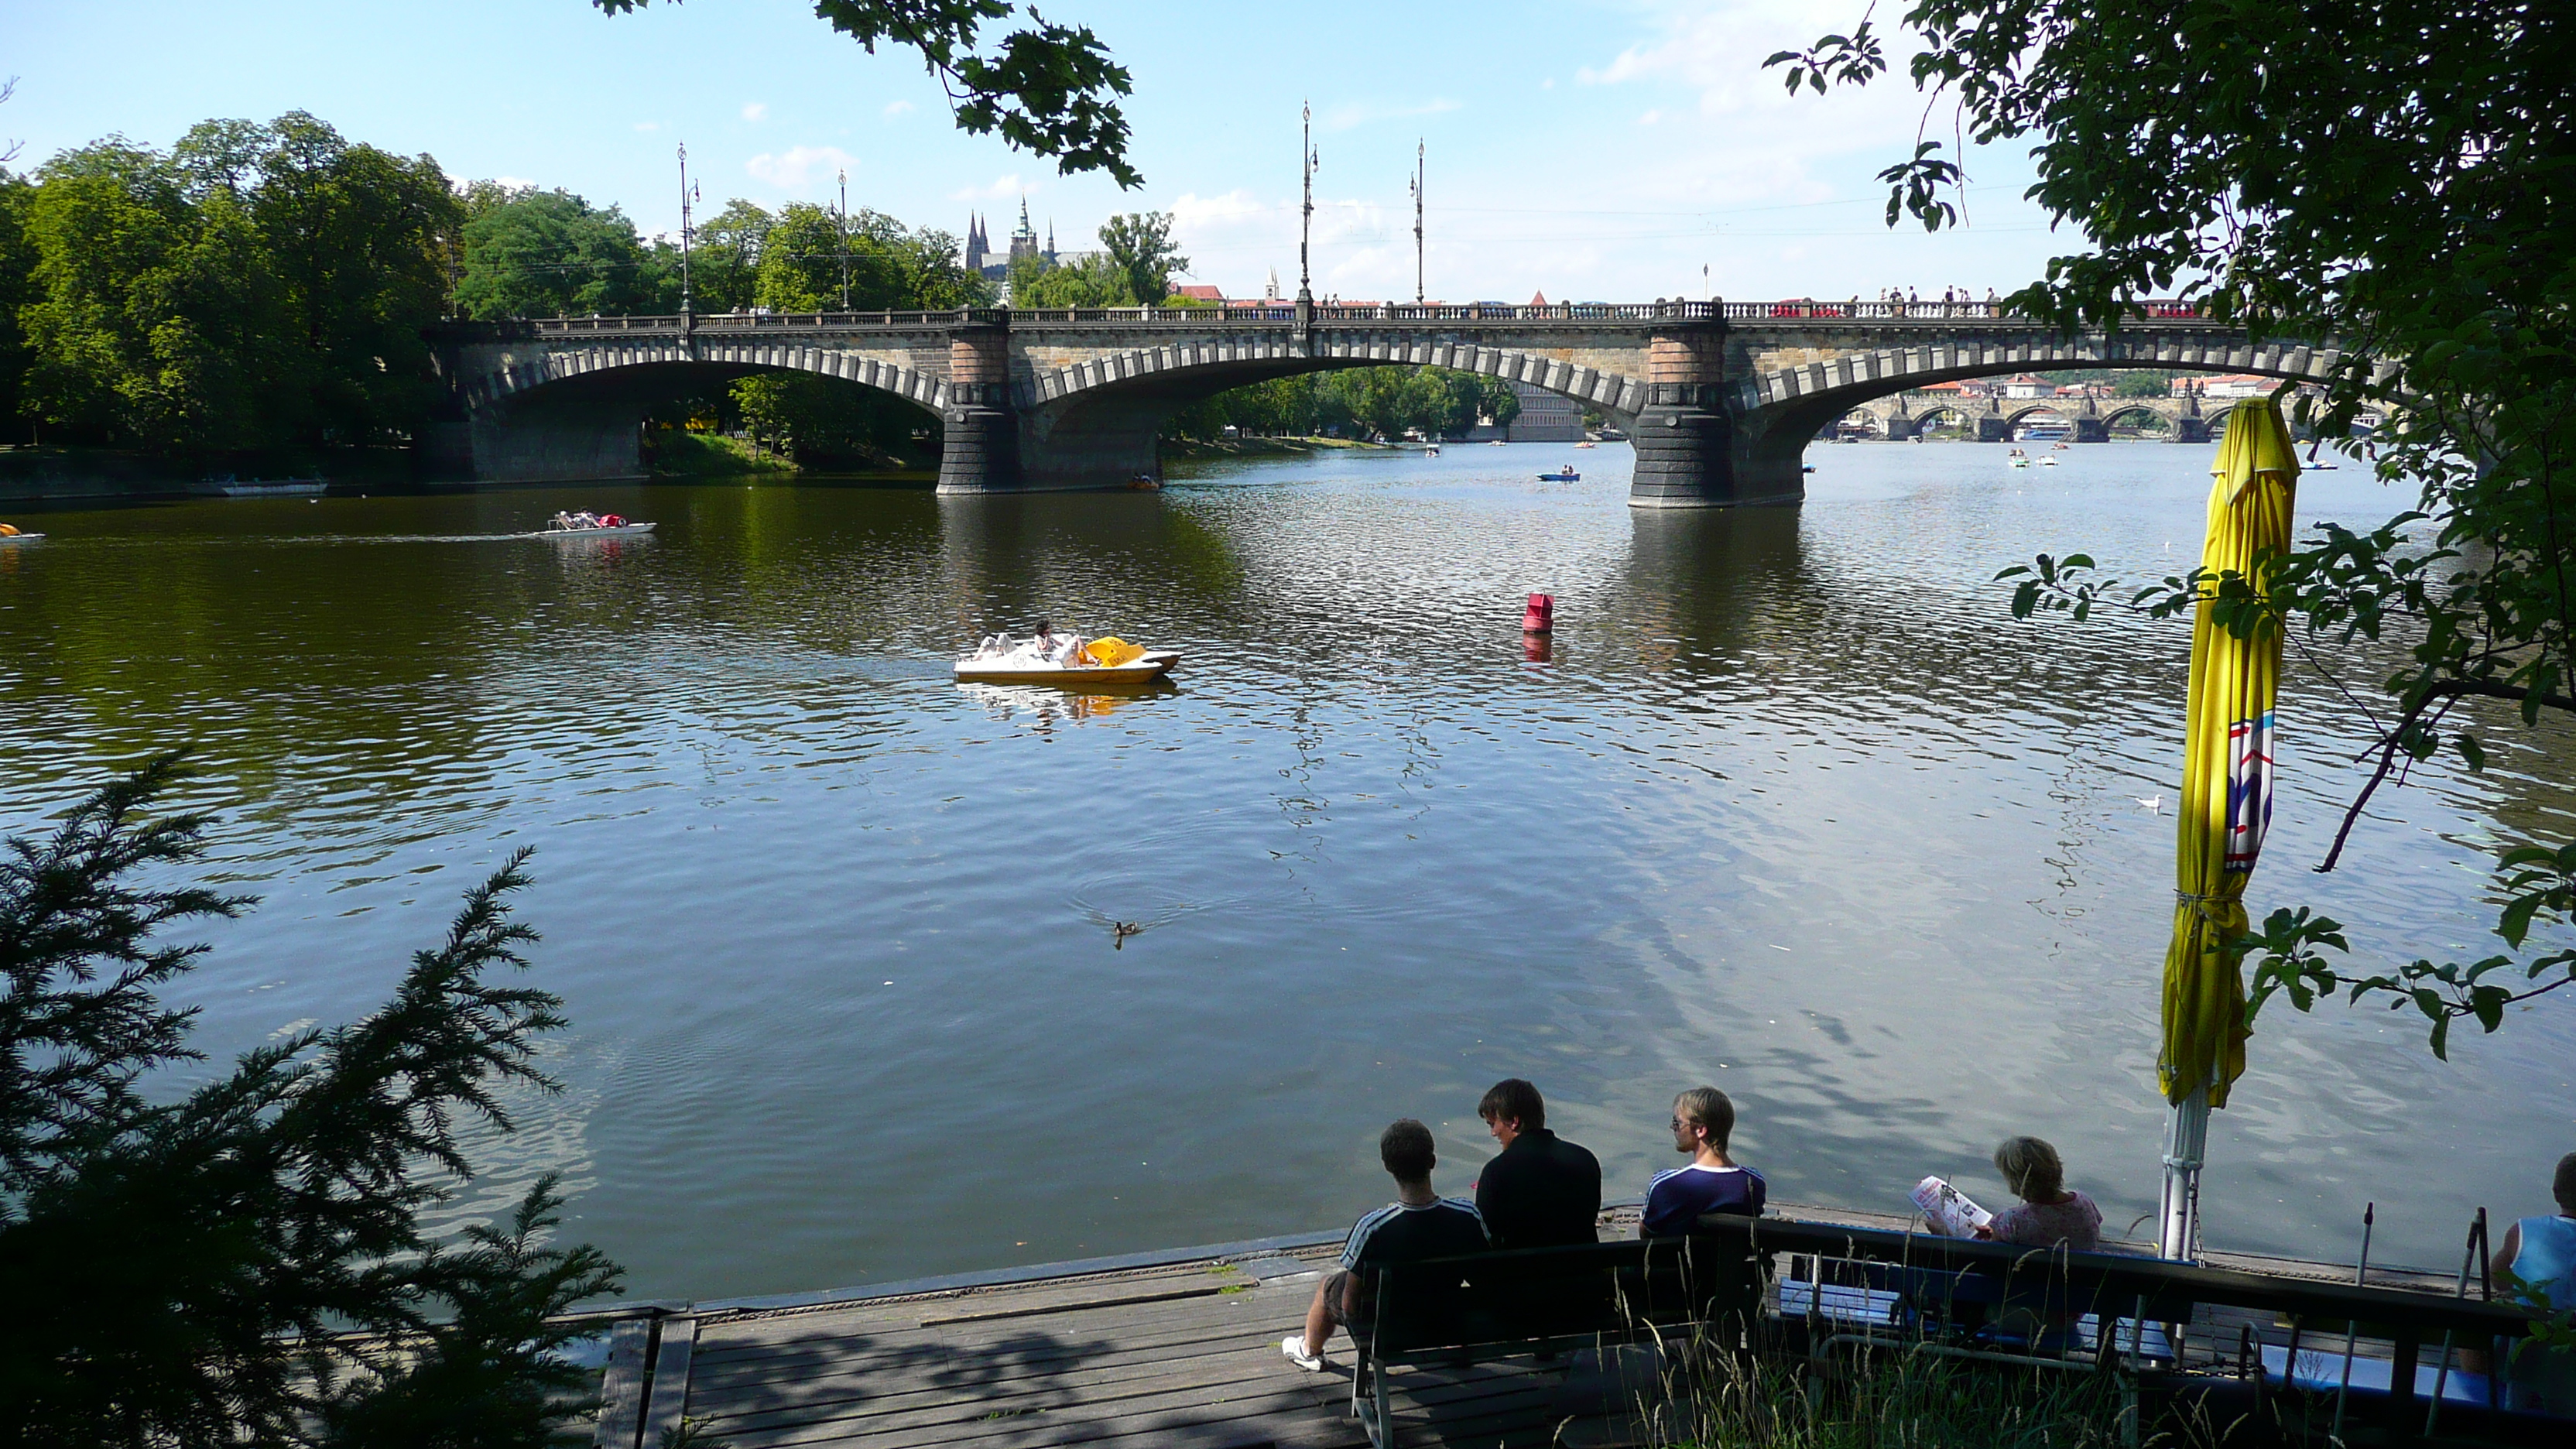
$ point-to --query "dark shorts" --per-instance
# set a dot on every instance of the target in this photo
(1336, 1284)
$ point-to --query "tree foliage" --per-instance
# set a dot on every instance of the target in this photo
(256, 286)
(1045, 88)
(2391, 178)
(532, 253)
(243, 1263)
(1358, 402)
(1140, 244)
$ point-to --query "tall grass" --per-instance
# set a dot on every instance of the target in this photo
(1893, 1398)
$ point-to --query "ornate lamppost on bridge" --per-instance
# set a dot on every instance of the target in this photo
(845, 238)
(1306, 162)
(686, 321)
(1418, 176)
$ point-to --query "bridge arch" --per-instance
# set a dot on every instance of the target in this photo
(1776, 413)
(1102, 418)
(1265, 356)
(622, 366)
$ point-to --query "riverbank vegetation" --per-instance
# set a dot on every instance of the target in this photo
(245, 1261)
(2389, 178)
(1385, 402)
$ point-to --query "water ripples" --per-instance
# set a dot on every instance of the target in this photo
(1790, 805)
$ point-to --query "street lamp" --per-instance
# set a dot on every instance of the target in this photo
(684, 235)
(1306, 161)
(845, 239)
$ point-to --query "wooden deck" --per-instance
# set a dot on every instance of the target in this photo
(1173, 1349)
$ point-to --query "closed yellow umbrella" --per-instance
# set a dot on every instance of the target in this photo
(2226, 804)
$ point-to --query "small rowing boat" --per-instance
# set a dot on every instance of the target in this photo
(1066, 661)
(1565, 474)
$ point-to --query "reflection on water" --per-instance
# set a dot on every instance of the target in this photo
(875, 974)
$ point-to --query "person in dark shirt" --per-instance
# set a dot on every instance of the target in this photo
(1543, 1191)
(1420, 1224)
(1713, 1182)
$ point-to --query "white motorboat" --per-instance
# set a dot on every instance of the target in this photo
(1065, 662)
(597, 530)
(10, 536)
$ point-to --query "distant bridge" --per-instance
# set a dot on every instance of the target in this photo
(1902, 415)
(1720, 398)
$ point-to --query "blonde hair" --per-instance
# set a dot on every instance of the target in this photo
(2031, 1169)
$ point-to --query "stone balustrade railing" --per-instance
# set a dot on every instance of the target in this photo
(1799, 310)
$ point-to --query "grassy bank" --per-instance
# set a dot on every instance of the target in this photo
(1264, 447)
(709, 455)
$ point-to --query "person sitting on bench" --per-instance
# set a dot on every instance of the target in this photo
(2048, 1215)
(1420, 1224)
(1543, 1191)
(1713, 1182)
(2541, 1251)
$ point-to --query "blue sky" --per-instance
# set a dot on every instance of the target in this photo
(1588, 150)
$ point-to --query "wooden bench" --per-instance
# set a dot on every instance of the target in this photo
(1465, 1310)
(1936, 1278)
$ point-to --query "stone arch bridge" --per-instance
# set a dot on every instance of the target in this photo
(1900, 416)
(1720, 399)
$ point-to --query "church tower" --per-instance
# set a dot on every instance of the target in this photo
(975, 244)
(1024, 242)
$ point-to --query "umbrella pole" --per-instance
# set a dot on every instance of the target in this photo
(2186, 1143)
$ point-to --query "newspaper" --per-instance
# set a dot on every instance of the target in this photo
(1948, 1210)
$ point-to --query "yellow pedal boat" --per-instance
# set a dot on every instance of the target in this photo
(1099, 662)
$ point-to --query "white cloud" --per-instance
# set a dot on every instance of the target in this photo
(515, 183)
(1002, 189)
(648, 125)
(798, 166)
(897, 108)
(756, 111)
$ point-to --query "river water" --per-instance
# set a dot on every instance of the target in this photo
(1792, 806)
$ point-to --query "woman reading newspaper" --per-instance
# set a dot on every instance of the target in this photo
(2049, 1214)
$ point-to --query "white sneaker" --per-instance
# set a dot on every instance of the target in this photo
(1294, 1346)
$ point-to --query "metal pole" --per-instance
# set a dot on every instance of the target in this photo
(2442, 1375)
(1418, 174)
(2186, 1144)
(1306, 217)
(2352, 1327)
(684, 233)
(845, 239)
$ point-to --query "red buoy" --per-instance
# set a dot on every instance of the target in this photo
(1540, 616)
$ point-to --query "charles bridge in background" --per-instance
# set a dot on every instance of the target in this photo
(1720, 398)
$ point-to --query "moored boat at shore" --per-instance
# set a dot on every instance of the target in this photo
(230, 487)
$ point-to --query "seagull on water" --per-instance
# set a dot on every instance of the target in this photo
(2155, 803)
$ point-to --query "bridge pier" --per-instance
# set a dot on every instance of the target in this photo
(1688, 454)
(980, 451)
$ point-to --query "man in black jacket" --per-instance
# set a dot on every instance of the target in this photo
(1542, 1192)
